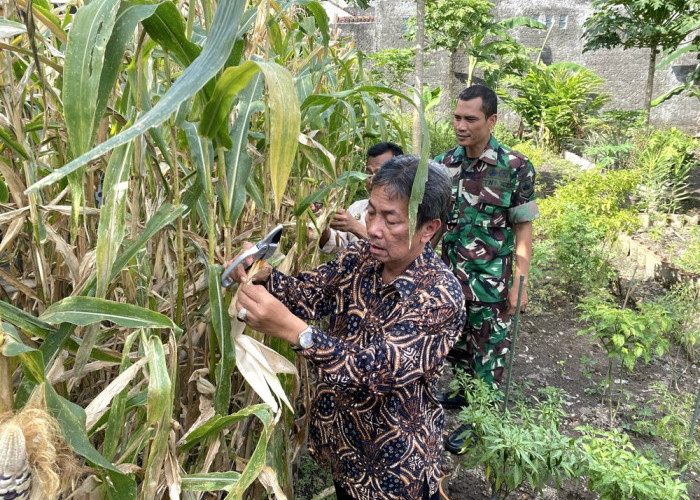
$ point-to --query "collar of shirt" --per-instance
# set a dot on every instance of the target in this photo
(405, 283)
(489, 155)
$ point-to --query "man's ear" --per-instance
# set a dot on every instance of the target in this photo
(430, 228)
(491, 121)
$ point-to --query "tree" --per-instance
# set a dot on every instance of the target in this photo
(469, 25)
(643, 24)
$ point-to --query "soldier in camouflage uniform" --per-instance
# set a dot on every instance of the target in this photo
(491, 222)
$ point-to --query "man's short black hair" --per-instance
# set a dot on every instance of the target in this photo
(383, 147)
(489, 101)
(396, 177)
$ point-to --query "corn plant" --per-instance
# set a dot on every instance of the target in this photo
(139, 145)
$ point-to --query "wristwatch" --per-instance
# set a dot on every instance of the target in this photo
(306, 339)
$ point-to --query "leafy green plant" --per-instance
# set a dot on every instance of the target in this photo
(617, 471)
(610, 137)
(555, 101)
(689, 259)
(520, 447)
(665, 159)
(392, 66)
(625, 334)
(674, 413)
(571, 249)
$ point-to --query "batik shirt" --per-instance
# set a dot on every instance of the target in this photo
(489, 195)
(374, 417)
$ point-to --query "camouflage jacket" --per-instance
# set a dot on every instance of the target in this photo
(489, 195)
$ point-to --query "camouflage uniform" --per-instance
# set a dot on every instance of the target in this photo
(489, 195)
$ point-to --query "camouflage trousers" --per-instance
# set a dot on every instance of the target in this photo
(485, 341)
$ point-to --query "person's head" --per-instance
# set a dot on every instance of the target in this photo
(387, 214)
(377, 155)
(474, 118)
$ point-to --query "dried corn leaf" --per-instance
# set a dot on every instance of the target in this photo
(259, 364)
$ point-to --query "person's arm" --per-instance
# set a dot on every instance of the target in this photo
(521, 256)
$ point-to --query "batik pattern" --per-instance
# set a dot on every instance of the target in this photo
(374, 417)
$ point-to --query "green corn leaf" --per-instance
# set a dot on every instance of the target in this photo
(345, 179)
(88, 310)
(31, 359)
(212, 481)
(219, 422)
(216, 111)
(256, 461)
(284, 121)
(31, 325)
(203, 68)
(283, 112)
(238, 161)
(71, 419)
(112, 214)
(167, 28)
(85, 57)
(221, 324)
(165, 215)
(7, 137)
(159, 383)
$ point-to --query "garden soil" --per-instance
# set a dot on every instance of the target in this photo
(550, 353)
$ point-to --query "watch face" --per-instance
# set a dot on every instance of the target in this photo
(306, 338)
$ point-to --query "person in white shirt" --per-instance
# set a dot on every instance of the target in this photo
(349, 225)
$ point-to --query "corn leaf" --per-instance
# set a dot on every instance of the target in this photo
(219, 422)
(203, 68)
(85, 56)
(31, 359)
(88, 310)
(221, 325)
(238, 161)
(284, 121)
(71, 419)
(110, 231)
(212, 481)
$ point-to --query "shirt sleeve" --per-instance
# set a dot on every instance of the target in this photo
(523, 206)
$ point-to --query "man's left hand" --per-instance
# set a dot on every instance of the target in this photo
(513, 298)
(266, 314)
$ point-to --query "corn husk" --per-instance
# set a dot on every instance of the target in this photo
(259, 364)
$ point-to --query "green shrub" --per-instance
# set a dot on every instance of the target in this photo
(665, 158)
(674, 412)
(689, 258)
(611, 136)
(516, 448)
(617, 471)
(554, 101)
(571, 249)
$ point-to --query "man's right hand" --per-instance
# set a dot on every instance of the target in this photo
(345, 221)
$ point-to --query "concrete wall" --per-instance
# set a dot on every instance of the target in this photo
(624, 72)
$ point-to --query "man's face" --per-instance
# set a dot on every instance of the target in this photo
(387, 229)
(373, 164)
(472, 128)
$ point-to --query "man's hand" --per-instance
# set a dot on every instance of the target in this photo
(513, 297)
(239, 273)
(266, 314)
(345, 221)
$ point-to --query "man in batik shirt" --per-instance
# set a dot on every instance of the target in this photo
(490, 224)
(394, 312)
